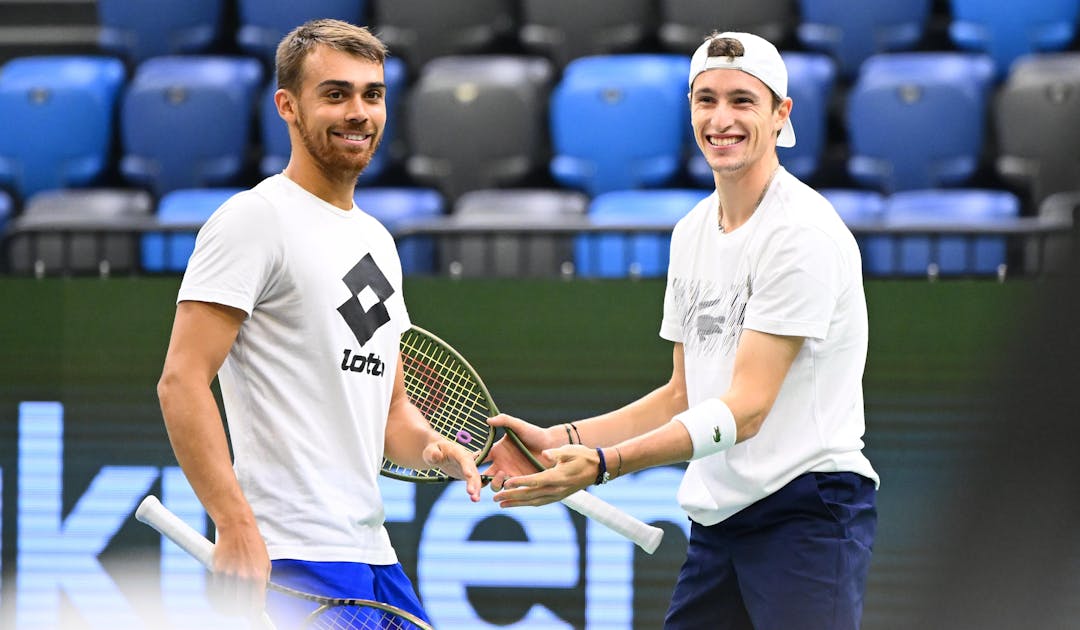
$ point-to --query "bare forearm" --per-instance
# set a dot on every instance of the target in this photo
(201, 448)
(648, 413)
(668, 444)
(407, 434)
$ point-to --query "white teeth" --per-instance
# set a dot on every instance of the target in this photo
(723, 142)
(354, 137)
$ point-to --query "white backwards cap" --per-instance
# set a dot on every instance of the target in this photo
(760, 59)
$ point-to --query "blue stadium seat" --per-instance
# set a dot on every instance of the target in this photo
(138, 30)
(1009, 30)
(952, 254)
(811, 77)
(169, 252)
(263, 23)
(619, 122)
(5, 212)
(274, 132)
(396, 208)
(58, 121)
(186, 121)
(916, 120)
(853, 30)
(477, 121)
(637, 255)
(865, 209)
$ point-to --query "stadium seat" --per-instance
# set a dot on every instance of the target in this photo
(420, 30)
(633, 255)
(862, 209)
(684, 24)
(1056, 251)
(58, 121)
(274, 132)
(86, 231)
(811, 77)
(567, 29)
(916, 120)
(953, 255)
(138, 30)
(169, 252)
(1009, 30)
(5, 212)
(398, 208)
(186, 121)
(263, 23)
(853, 30)
(512, 254)
(619, 122)
(478, 122)
(1037, 125)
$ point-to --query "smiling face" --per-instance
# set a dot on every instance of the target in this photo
(337, 119)
(735, 120)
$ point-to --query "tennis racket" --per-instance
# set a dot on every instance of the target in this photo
(449, 393)
(359, 614)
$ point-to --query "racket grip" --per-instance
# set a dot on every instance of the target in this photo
(644, 535)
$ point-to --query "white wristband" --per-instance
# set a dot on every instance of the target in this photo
(711, 426)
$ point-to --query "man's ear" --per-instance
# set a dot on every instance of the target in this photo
(286, 105)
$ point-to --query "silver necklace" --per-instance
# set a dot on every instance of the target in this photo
(761, 197)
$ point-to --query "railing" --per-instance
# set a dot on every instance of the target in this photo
(1036, 244)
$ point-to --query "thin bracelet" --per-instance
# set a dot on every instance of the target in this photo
(574, 427)
(602, 475)
(618, 469)
(569, 440)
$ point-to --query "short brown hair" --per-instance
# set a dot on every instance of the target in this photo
(335, 34)
(730, 47)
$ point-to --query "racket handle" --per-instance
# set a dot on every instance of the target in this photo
(171, 526)
(644, 535)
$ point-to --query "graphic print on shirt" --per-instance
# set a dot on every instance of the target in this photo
(365, 311)
(711, 315)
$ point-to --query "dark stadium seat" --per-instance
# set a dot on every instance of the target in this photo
(865, 209)
(684, 24)
(6, 210)
(86, 231)
(186, 121)
(619, 122)
(397, 208)
(566, 29)
(638, 255)
(263, 23)
(169, 252)
(1008, 30)
(58, 121)
(952, 254)
(1037, 125)
(811, 77)
(478, 122)
(512, 255)
(138, 30)
(420, 30)
(274, 132)
(916, 120)
(853, 30)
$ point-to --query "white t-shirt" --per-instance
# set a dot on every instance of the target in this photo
(792, 269)
(307, 384)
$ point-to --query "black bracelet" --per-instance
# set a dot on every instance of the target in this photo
(572, 426)
(569, 440)
(602, 475)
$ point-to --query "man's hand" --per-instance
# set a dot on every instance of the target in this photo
(574, 467)
(455, 461)
(241, 570)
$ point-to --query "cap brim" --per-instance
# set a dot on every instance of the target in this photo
(787, 135)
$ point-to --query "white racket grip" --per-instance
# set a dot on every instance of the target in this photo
(171, 526)
(644, 535)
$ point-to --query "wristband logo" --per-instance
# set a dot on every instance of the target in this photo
(716, 436)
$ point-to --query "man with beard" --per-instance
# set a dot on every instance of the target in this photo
(287, 279)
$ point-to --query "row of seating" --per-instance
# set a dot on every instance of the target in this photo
(914, 120)
(514, 232)
(419, 30)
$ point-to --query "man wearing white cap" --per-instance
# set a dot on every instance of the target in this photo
(765, 306)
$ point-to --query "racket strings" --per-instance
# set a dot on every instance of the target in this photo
(359, 618)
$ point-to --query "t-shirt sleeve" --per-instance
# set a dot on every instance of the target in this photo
(235, 255)
(796, 285)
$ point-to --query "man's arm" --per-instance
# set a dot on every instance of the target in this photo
(411, 442)
(201, 338)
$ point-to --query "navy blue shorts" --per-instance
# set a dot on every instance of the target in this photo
(795, 559)
(387, 584)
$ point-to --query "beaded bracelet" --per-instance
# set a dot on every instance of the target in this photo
(602, 475)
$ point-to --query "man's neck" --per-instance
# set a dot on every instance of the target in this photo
(336, 192)
(741, 193)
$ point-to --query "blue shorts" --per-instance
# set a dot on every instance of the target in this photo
(382, 583)
(795, 559)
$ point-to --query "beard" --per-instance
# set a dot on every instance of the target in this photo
(334, 163)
